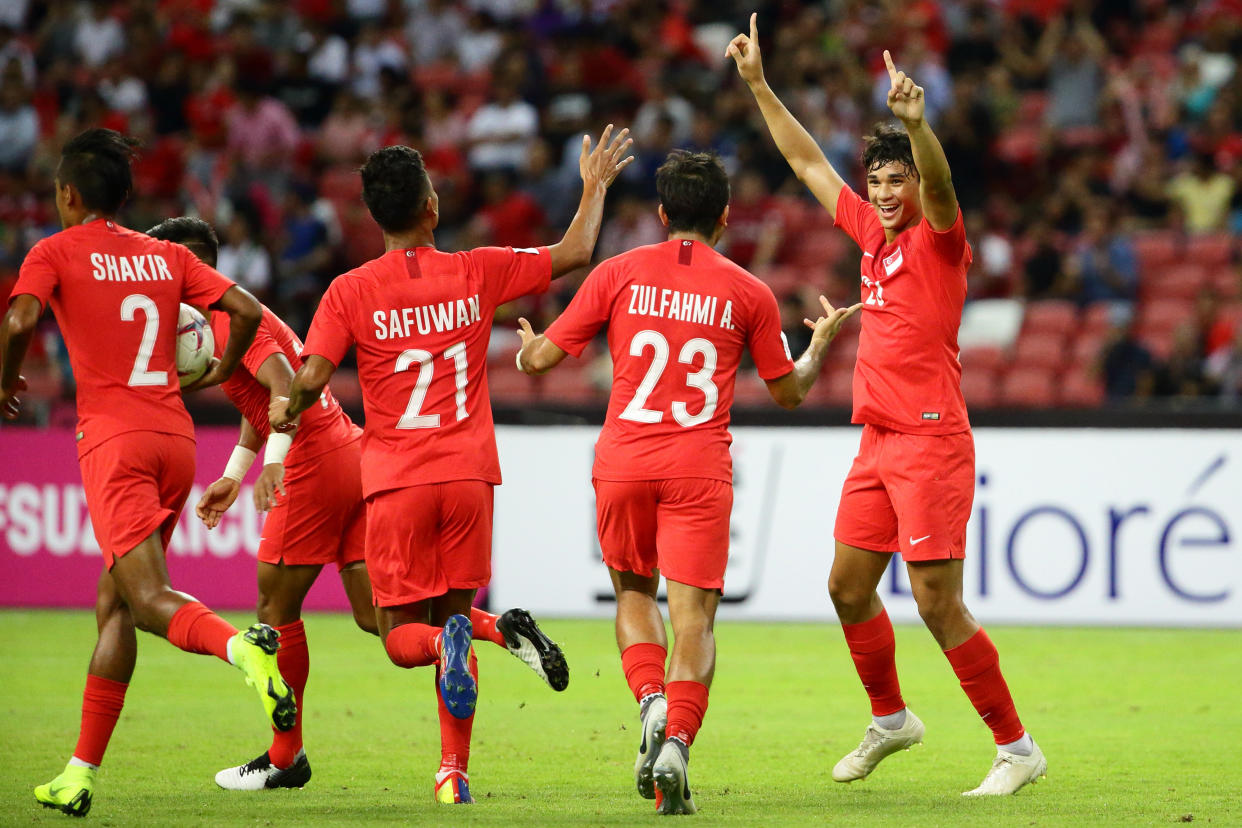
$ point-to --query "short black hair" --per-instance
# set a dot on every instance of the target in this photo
(97, 164)
(888, 145)
(395, 187)
(694, 191)
(194, 233)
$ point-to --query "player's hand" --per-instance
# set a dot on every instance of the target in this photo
(212, 376)
(10, 403)
(744, 49)
(904, 97)
(829, 325)
(271, 480)
(527, 334)
(278, 415)
(600, 166)
(216, 501)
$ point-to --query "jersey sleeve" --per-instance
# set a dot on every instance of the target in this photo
(767, 344)
(949, 244)
(510, 272)
(203, 284)
(264, 346)
(587, 313)
(330, 335)
(37, 276)
(855, 216)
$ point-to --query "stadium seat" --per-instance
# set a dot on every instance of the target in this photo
(1212, 251)
(752, 392)
(1179, 280)
(1157, 248)
(1050, 316)
(979, 387)
(843, 352)
(1087, 348)
(511, 387)
(834, 389)
(1098, 317)
(1040, 350)
(1164, 314)
(1226, 282)
(982, 358)
(1029, 388)
(1081, 389)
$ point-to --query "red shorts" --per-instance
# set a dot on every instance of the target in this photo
(678, 526)
(423, 541)
(909, 493)
(322, 517)
(135, 483)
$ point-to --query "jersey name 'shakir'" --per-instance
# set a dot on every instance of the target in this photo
(150, 267)
(443, 316)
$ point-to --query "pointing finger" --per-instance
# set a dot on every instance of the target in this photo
(754, 28)
(888, 62)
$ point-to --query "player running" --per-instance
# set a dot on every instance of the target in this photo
(318, 518)
(421, 320)
(911, 487)
(117, 294)
(679, 315)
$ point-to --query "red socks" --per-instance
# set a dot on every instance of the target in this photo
(101, 707)
(687, 702)
(644, 668)
(484, 625)
(978, 669)
(872, 647)
(293, 658)
(414, 645)
(455, 732)
(196, 629)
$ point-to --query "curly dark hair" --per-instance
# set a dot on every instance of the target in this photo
(194, 233)
(694, 190)
(888, 145)
(395, 187)
(97, 164)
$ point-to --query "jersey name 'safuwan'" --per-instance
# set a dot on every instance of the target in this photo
(442, 316)
(646, 300)
(149, 267)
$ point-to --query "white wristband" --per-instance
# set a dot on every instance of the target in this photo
(277, 447)
(239, 463)
(517, 358)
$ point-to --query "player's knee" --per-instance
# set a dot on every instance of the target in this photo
(939, 609)
(366, 620)
(847, 596)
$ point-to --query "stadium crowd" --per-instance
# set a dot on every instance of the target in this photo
(1096, 150)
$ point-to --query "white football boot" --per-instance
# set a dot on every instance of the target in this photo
(672, 779)
(260, 774)
(1011, 771)
(877, 744)
(528, 643)
(654, 718)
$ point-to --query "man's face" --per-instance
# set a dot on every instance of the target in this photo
(893, 191)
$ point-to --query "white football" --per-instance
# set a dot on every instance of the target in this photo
(195, 345)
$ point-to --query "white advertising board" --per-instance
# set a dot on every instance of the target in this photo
(1070, 526)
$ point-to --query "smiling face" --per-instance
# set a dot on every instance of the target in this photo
(893, 190)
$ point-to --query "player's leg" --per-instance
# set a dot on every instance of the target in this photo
(282, 589)
(516, 631)
(357, 584)
(866, 538)
(107, 678)
(937, 588)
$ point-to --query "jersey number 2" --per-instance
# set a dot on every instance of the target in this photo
(700, 379)
(129, 306)
(423, 359)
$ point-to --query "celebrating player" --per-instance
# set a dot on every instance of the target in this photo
(421, 320)
(663, 475)
(318, 518)
(116, 295)
(912, 484)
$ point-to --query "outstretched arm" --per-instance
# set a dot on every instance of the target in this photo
(599, 167)
(805, 157)
(790, 390)
(906, 101)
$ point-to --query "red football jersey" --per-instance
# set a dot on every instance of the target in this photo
(421, 321)
(908, 377)
(323, 427)
(117, 295)
(679, 315)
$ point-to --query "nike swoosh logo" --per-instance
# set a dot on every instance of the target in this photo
(872, 255)
(914, 542)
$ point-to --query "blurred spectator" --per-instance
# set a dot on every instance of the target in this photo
(432, 28)
(343, 137)
(13, 51)
(309, 98)
(633, 224)
(262, 131)
(501, 131)
(1105, 265)
(374, 52)
(1203, 193)
(1181, 374)
(327, 54)
(1044, 270)
(756, 228)
(1074, 54)
(19, 125)
(660, 104)
(479, 44)
(556, 189)
(797, 334)
(99, 36)
(1128, 366)
(511, 217)
(242, 258)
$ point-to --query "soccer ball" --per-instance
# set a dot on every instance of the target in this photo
(195, 345)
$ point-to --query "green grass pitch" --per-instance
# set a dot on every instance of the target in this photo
(1140, 727)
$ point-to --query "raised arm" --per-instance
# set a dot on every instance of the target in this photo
(805, 157)
(936, 193)
(790, 390)
(599, 167)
